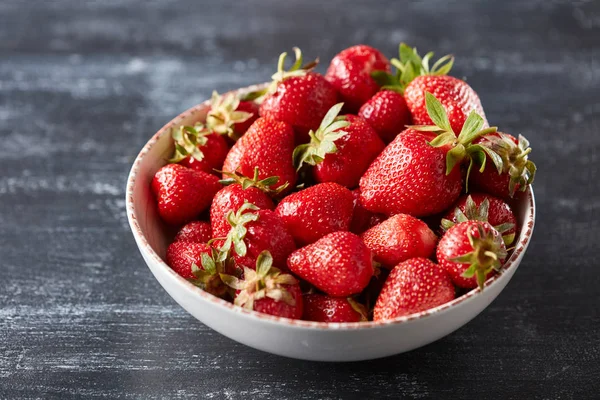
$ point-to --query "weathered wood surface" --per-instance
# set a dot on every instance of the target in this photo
(83, 85)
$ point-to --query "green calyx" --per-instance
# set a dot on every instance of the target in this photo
(474, 213)
(487, 255)
(208, 277)
(223, 114)
(264, 185)
(237, 233)
(359, 308)
(188, 140)
(462, 147)
(322, 142)
(409, 65)
(514, 160)
(297, 69)
(265, 281)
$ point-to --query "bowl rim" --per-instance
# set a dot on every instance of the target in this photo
(144, 245)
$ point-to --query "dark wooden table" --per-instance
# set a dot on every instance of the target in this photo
(83, 85)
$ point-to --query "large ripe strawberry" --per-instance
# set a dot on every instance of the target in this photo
(339, 264)
(239, 190)
(267, 145)
(183, 193)
(413, 286)
(387, 113)
(350, 73)
(298, 97)
(316, 211)
(340, 150)
(399, 238)
(323, 308)
(471, 252)
(229, 116)
(194, 232)
(363, 219)
(198, 148)
(266, 290)
(254, 231)
(483, 207)
(513, 174)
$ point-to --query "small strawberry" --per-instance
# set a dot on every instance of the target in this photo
(413, 286)
(298, 97)
(340, 150)
(471, 252)
(323, 308)
(398, 239)
(316, 211)
(194, 232)
(516, 171)
(254, 231)
(363, 219)
(350, 73)
(339, 264)
(387, 113)
(229, 116)
(267, 290)
(183, 193)
(267, 145)
(198, 148)
(483, 207)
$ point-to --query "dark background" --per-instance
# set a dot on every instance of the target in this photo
(83, 85)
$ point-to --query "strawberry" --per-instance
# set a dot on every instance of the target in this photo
(516, 171)
(194, 232)
(267, 290)
(229, 116)
(471, 252)
(350, 73)
(322, 308)
(240, 189)
(340, 150)
(194, 261)
(400, 238)
(339, 264)
(413, 286)
(183, 193)
(363, 219)
(298, 97)
(198, 148)
(316, 211)
(483, 207)
(267, 145)
(253, 231)
(387, 113)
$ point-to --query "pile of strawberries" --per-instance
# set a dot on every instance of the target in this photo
(322, 197)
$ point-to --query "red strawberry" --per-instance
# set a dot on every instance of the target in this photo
(267, 290)
(198, 148)
(254, 231)
(298, 97)
(516, 171)
(483, 207)
(413, 286)
(194, 261)
(399, 238)
(194, 232)
(267, 145)
(229, 116)
(183, 193)
(340, 150)
(316, 211)
(387, 113)
(363, 219)
(339, 264)
(322, 308)
(471, 252)
(350, 73)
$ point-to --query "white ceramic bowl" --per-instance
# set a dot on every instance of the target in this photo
(293, 338)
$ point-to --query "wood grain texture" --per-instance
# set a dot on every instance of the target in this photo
(83, 85)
